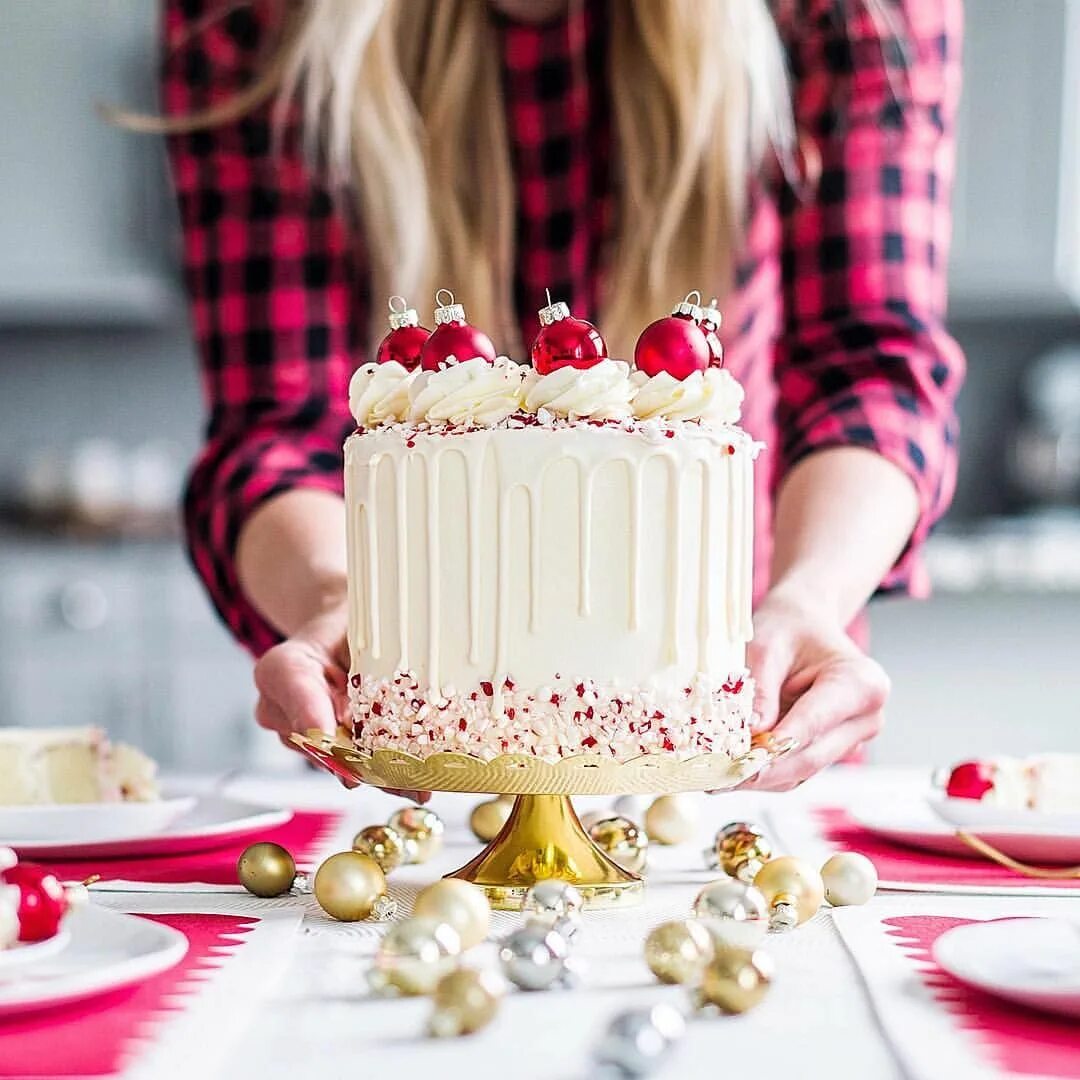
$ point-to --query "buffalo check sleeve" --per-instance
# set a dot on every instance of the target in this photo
(864, 358)
(269, 271)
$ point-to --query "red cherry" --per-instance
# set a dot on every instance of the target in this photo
(403, 345)
(456, 339)
(970, 780)
(675, 344)
(569, 342)
(42, 900)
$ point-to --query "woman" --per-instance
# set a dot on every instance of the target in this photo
(329, 153)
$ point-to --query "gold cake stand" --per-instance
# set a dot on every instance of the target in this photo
(543, 837)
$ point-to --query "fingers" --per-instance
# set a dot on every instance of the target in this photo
(294, 684)
(420, 797)
(850, 688)
(769, 664)
(790, 771)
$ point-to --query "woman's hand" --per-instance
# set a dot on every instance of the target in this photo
(303, 682)
(813, 685)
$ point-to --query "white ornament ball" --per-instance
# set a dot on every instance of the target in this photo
(671, 819)
(631, 806)
(850, 878)
(459, 903)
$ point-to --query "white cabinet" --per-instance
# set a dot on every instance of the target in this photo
(1016, 247)
(85, 224)
(122, 637)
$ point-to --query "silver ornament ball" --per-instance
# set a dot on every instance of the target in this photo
(637, 1041)
(535, 957)
(733, 912)
(552, 899)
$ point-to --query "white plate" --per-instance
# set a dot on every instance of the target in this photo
(1032, 962)
(914, 824)
(213, 821)
(975, 815)
(29, 952)
(88, 823)
(107, 951)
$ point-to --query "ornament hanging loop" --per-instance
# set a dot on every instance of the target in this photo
(448, 311)
(689, 309)
(393, 303)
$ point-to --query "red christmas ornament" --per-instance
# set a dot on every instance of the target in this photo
(970, 780)
(564, 341)
(710, 323)
(676, 344)
(42, 900)
(406, 339)
(453, 336)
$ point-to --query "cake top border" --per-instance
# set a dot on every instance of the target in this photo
(477, 393)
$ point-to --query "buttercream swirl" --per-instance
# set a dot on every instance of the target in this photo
(473, 392)
(601, 392)
(379, 394)
(713, 396)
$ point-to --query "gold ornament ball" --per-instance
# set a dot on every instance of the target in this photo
(621, 841)
(741, 853)
(461, 904)
(348, 884)
(382, 843)
(735, 979)
(849, 878)
(733, 912)
(413, 956)
(792, 888)
(488, 818)
(423, 827)
(670, 819)
(266, 869)
(464, 1001)
(676, 952)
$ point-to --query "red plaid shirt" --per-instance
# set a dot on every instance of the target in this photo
(835, 327)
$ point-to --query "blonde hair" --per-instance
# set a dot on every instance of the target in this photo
(401, 102)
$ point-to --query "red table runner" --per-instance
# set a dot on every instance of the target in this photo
(1009, 1037)
(302, 837)
(95, 1038)
(897, 864)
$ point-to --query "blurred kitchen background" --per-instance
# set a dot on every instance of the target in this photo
(101, 620)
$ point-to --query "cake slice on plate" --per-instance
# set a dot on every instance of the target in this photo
(71, 765)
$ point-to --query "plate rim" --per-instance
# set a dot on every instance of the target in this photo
(1021, 994)
(95, 981)
(257, 817)
(11, 960)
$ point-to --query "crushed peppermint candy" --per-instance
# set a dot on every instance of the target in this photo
(709, 716)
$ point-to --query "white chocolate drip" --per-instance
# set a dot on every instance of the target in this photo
(476, 574)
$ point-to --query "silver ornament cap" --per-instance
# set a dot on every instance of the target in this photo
(689, 308)
(447, 311)
(403, 315)
(711, 314)
(553, 312)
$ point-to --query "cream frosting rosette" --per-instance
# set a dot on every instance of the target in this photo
(712, 395)
(472, 392)
(379, 394)
(600, 392)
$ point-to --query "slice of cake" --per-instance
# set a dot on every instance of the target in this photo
(71, 765)
(549, 564)
(1049, 783)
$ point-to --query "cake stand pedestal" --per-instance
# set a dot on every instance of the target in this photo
(543, 837)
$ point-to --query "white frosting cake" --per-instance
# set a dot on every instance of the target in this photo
(71, 765)
(549, 565)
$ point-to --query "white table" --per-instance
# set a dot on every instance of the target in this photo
(816, 1021)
